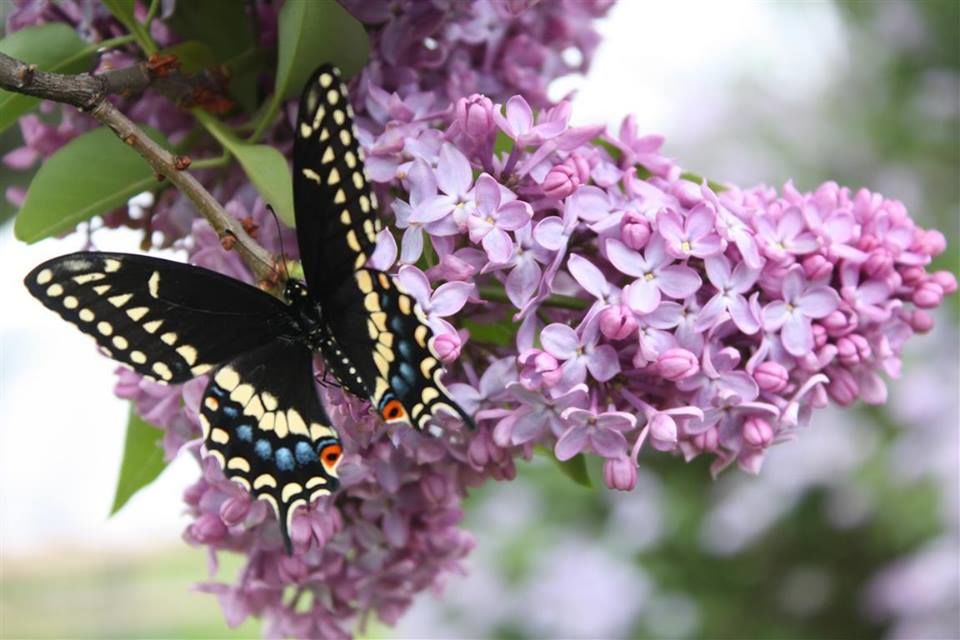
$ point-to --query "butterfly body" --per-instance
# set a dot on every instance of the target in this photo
(260, 414)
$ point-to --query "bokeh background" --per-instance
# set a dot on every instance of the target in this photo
(853, 531)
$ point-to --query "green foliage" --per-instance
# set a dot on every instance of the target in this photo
(575, 468)
(52, 47)
(123, 10)
(91, 175)
(192, 55)
(265, 166)
(142, 459)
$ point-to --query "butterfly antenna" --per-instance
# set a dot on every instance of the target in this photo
(283, 253)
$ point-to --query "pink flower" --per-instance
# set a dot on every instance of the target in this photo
(694, 235)
(601, 433)
(786, 237)
(655, 272)
(801, 303)
(492, 218)
(579, 354)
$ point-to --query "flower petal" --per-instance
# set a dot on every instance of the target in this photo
(514, 215)
(607, 442)
(454, 175)
(642, 296)
(560, 341)
(498, 245)
(603, 363)
(570, 443)
(624, 258)
(588, 276)
(678, 281)
(818, 302)
(796, 335)
(415, 283)
(450, 297)
(549, 233)
(487, 195)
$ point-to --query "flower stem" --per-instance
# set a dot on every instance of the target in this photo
(497, 294)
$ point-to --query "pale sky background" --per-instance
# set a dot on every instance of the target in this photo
(675, 65)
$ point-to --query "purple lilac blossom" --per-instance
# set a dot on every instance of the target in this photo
(638, 306)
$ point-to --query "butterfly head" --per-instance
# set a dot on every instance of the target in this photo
(295, 291)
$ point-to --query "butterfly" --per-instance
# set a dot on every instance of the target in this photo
(260, 414)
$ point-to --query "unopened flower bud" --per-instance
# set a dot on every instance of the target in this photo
(928, 295)
(663, 432)
(771, 376)
(677, 364)
(709, 440)
(932, 242)
(843, 387)
(946, 280)
(634, 230)
(839, 323)
(878, 264)
(234, 510)
(816, 267)
(620, 473)
(448, 346)
(853, 349)
(434, 488)
(819, 335)
(475, 116)
(921, 321)
(564, 178)
(617, 322)
(757, 432)
(913, 276)
(207, 529)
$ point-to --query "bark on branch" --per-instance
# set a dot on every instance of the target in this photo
(88, 92)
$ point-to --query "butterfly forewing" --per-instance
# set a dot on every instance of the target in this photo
(263, 422)
(167, 320)
(334, 205)
(385, 337)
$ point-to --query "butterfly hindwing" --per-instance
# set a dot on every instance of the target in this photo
(335, 207)
(167, 320)
(385, 337)
(264, 424)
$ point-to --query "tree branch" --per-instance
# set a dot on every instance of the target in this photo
(88, 92)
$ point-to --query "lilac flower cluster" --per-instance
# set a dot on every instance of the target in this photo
(606, 299)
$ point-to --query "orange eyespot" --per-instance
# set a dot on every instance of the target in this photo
(394, 410)
(330, 455)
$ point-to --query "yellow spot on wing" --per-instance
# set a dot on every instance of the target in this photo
(227, 378)
(264, 480)
(325, 80)
(318, 431)
(426, 366)
(136, 313)
(119, 301)
(238, 463)
(280, 424)
(71, 302)
(44, 276)
(334, 177)
(88, 277)
(54, 290)
(154, 284)
(188, 353)
(242, 394)
(138, 357)
(220, 436)
(254, 408)
(269, 401)
(295, 423)
(327, 156)
(162, 370)
(289, 490)
(310, 174)
(86, 315)
(364, 281)
(152, 326)
(111, 265)
(105, 328)
(305, 130)
(169, 338)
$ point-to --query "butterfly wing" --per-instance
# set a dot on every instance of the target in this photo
(167, 320)
(334, 205)
(383, 336)
(264, 424)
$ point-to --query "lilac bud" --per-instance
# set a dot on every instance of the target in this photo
(564, 178)
(474, 115)
(663, 432)
(946, 280)
(688, 193)
(677, 364)
(620, 473)
(816, 267)
(878, 264)
(928, 295)
(853, 349)
(709, 440)
(234, 510)
(913, 276)
(932, 242)
(819, 335)
(921, 321)
(839, 323)
(617, 322)
(843, 387)
(434, 488)
(539, 369)
(771, 376)
(207, 529)
(193, 493)
(447, 346)
(757, 432)
(634, 230)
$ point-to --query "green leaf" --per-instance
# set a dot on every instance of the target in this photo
(265, 166)
(224, 27)
(52, 47)
(502, 144)
(311, 33)
(575, 468)
(698, 179)
(122, 10)
(142, 459)
(501, 333)
(192, 55)
(90, 175)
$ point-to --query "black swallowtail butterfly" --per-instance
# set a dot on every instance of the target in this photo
(261, 416)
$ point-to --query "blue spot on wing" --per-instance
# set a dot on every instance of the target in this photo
(263, 449)
(408, 372)
(284, 459)
(406, 349)
(245, 432)
(304, 453)
(218, 391)
(231, 411)
(396, 323)
(399, 385)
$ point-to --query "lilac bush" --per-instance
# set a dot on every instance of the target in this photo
(589, 297)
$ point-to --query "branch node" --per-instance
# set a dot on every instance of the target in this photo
(228, 240)
(250, 226)
(130, 139)
(25, 73)
(161, 65)
(181, 163)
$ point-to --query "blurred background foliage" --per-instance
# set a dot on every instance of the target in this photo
(851, 532)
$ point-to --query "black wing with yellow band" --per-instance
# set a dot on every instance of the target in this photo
(335, 208)
(385, 337)
(166, 320)
(264, 424)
